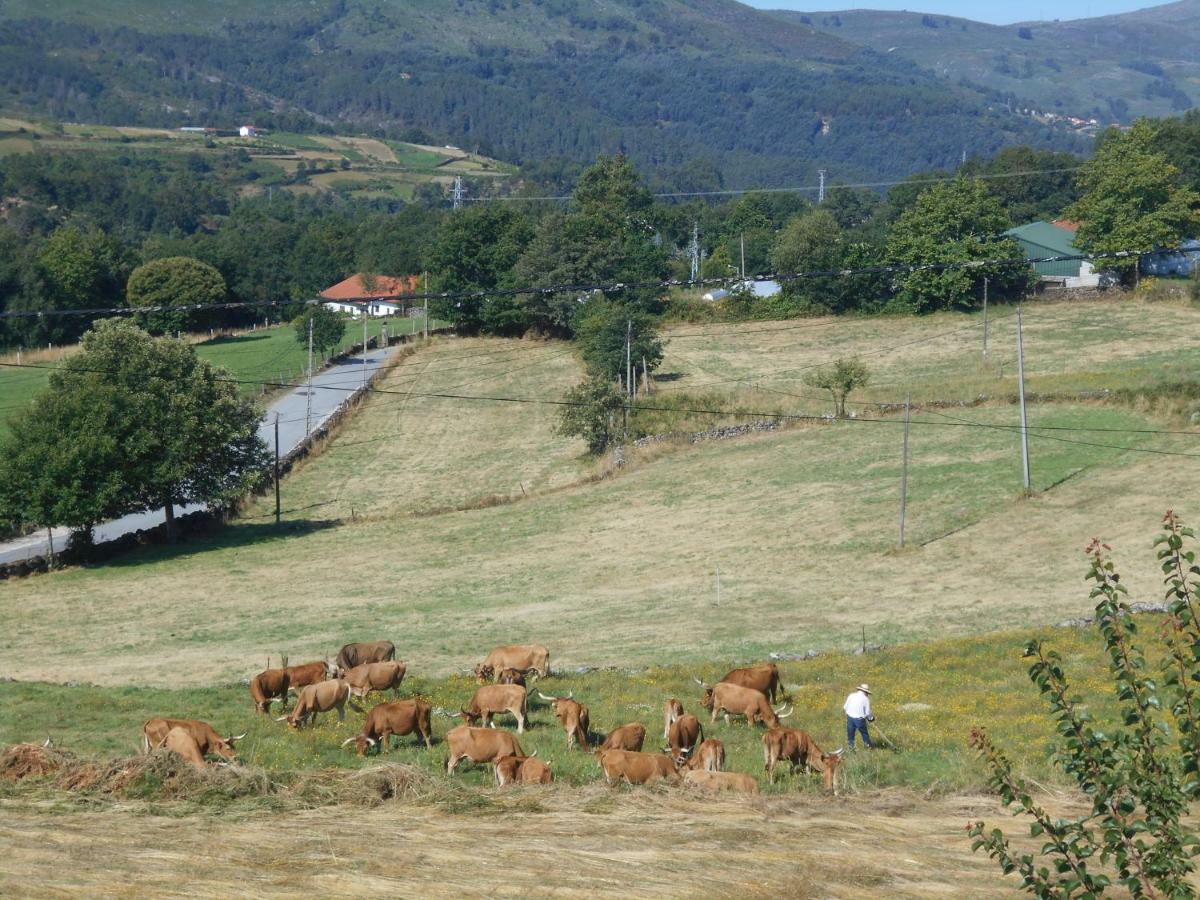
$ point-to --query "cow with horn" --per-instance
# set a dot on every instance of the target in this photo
(573, 716)
(733, 699)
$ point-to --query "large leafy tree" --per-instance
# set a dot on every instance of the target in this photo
(1133, 199)
(328, 327)
(953, 223)
(175, 282)
(812, 242)
(130, 423)
(601, 331)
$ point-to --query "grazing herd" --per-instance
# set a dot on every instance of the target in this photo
(362, 668)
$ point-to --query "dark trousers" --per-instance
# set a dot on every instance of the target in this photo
(860, 726)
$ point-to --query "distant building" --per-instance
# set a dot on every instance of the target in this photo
(371, 295)
(1043, 239)
(248, 131)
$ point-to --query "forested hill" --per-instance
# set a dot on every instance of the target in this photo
(702, 95)
(1143, 63)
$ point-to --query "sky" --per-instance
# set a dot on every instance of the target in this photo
(979, 10)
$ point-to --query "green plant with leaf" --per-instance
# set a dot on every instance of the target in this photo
(590, 412)
(328, 327)
(840, 379)
(1139, 776)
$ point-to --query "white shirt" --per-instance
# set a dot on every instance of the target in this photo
(858, 705)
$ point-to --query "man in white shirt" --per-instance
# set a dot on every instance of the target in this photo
(858, 714)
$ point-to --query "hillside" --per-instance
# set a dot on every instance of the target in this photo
(702, 95)
(1142, 63)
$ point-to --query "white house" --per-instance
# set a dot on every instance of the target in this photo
(247, 131)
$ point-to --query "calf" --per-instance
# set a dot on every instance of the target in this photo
(522, 770)
(739, 701)
(709, 756)
(720, 781)
(684, 733)
(800, 750)
(479, 745)
(574, 718)
(672, 710)
(352, 655)
(154, 732)
(378, 676)
(497, 698)
(398, 718)
(315, 698)
(627, 737)
(309, 673)
(267, 687)
(636, 768)
(763, 678)
(525, 658)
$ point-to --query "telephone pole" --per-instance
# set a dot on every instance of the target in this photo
(1021, 384)
(308, 388)
(904, 471)
(743, 242)
(364, 359)
(821, 189)
(985, 322)
(276, 468)
(629, 356)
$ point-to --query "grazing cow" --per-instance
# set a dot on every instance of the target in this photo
(636, 768)
(479, 745)
(685, 733)
(315, 698)
(267, 687)
(179, 740)
(497, 698)
(627, 737)
(709, 756)
(763, 678)
(398, 718)
(672, 710)
(720, 781)
(525, 658)
(574, 718)
(800, 750)
(739, 701)
(309, 673)
(154, 732)
(522, 770)
(379, 676)
(353, 655)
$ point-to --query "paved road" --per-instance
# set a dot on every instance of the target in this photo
(330, 388)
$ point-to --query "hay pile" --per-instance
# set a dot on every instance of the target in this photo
(22, 761)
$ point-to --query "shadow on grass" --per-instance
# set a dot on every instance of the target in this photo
(237, 534)
(225, 340)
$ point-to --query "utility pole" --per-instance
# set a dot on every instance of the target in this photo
(1021, 384)
(694, 252)
(276, 468)
(426, 304)
(743, 242)
(985, 322)
(459, 192)
(628, 356)
(821, 189)
(308, 389)
(904, 470)
(364, 359)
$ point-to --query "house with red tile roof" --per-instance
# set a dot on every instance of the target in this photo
(372, 295)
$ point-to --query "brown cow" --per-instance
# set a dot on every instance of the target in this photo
(627, 737)
(574, 718)
(488, 674)
(315, 698)
(179, 740)
(709, 755)
(497, 698)
(309, 673)
(763, 678)
(268, 686)
(800, 750)
(525, 658)
(672, 710)
(398, 718)
(522, 770)
(378, 676)
(353, 655)
(480, 745)
(636, 768)
(510, 676)
(154, 732)
(739, 701)
(720, 781)
(685, 733)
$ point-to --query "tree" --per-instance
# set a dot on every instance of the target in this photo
(175, 282)
(130, 423)
(590, 410)
(1133, 199)
(953, 223)
(812, 242)
(328, 327)
(844, 376)
(601, 332)
(1139, 778)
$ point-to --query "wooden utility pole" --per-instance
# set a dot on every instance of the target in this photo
(308, 388)
(985, 322)
(1021, 386)
(427, 305)
(364, 359)
(904, 471)
(628, 357)
(277, 513)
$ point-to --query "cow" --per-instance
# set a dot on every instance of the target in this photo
(739, 701)
(709, 755)
(627, 737)
(685, 733)
(378, 676)
(268, 686)
(720, 781)
(353, 655)
(525, 658)
(315, 698)
(488, 675)
(497, 698)
(522, 770)
(479, 745)
(672, 710)
(763, 678)
(179, 740)
(309, 673)
(398, 718)
(635, 767)
(510, 676)
(154, 732)
(574, 718)
(800, 750)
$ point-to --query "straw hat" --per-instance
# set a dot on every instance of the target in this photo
(864, 689)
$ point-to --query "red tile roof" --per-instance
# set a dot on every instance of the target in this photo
(1066, 225)
(355, 287)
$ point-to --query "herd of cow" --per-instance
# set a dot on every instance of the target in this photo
(365, 667)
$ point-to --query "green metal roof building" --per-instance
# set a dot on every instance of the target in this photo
(1040, 239)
